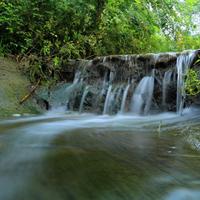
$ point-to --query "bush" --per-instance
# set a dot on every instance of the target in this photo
(53, 30)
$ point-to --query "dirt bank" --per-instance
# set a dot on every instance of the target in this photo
(14, 86)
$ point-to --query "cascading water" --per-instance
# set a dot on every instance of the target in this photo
(112, 100)
(106, 105)
(110, 94)
(108, 76)
(119, 92)
(111, 77)
(61, 95)
(75, 86)
(142, 97)
(76, 81)
(183, 63)
(155, 58)
(104, 84)
(77, 77)
(83, 99)
(123, 103)
(166, 81)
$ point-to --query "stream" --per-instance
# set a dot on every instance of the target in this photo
(67, 155)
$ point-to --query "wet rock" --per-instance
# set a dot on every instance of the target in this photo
(118, 70)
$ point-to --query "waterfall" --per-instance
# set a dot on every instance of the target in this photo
(111, 102)
(155, 58)
(83, 98)
(104, 84)
(119, 92)
(142, 97)
(183, 63)
(61, 95)
(104, 59)
(77, 77)
(110, 90)
(71, 91)
(166, 81)
(106, 105)
(123, 103)
(111, 77)
(76, 81)
(115, 99)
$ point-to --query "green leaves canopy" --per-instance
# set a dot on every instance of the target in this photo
(80, 28)
(58, 29)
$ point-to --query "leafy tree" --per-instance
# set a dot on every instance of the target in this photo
(46, 32)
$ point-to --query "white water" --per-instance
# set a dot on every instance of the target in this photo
(119, 92)
(112, 99)
(61, 96)
(111, 77)
(76, 81)
(83, 98)
(122, 109)
(34, 151)
(77, 77)
(142, 97)
(166, 81)
(106, 107)
(183, 63)
(104, 84)
(53, 123)
(116, 92)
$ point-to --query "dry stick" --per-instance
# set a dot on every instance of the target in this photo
(30, 93)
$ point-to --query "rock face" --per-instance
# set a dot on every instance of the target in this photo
(105, 85)
(107, 78)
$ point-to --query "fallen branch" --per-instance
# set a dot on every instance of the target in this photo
(30, 93)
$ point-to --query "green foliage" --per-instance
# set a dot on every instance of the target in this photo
(192, 84)
(53, 30)
(2, 49)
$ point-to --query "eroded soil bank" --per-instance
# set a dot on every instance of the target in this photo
(13, 87)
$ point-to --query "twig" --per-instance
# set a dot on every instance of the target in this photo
(30, 93)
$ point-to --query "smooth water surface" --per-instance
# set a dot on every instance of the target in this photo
(61, 156)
